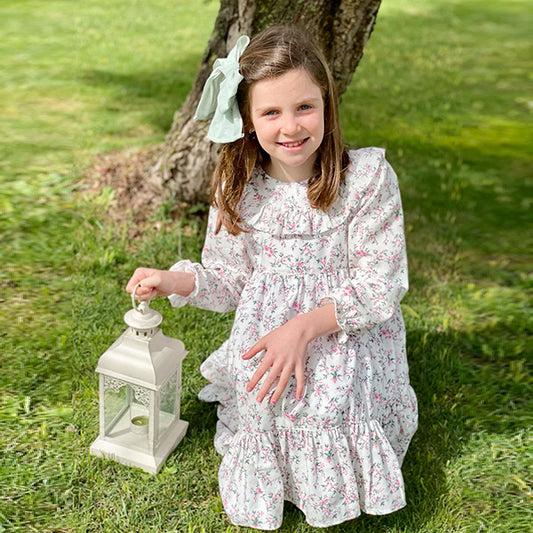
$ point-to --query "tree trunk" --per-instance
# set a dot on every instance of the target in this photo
(342, 27)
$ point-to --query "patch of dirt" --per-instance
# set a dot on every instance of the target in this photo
(126, 172)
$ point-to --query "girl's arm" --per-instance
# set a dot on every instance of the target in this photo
(221, 276)
(377, 253)
(215, 284)
(286, 350)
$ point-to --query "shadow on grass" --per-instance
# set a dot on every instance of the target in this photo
(158, 94)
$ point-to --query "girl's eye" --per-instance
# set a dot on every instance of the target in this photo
(271, 112)
(305, 107)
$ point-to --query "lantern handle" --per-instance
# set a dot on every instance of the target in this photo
(141, 308)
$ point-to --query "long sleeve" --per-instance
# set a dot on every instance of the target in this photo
(220, 278)
(376, 253)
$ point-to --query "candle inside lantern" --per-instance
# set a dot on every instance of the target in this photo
(139, 424)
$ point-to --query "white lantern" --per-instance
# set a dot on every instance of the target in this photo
(140, 387)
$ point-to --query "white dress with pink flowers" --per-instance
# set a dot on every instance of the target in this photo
(338, 450)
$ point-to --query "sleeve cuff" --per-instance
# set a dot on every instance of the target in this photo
(185, 265)
(342, 335)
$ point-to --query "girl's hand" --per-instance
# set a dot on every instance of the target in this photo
(286, 350)
(160, 283)
(285, 353)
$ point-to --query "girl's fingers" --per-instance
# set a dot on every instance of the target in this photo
(144, 293)
(139, 275)
(276, 371)
(257, 375)
(271, 378)
(283, 380)
(147, 283)
(131, 284)
(300, 380)
(254, 350)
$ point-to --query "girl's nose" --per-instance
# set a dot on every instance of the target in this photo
(290, 125)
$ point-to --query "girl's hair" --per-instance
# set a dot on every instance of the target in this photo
(270, 54)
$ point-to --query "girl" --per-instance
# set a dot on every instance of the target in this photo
(305, 240)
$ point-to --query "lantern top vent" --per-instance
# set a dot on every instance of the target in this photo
(143, 317)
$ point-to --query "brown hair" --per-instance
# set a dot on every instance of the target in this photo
(270, 54)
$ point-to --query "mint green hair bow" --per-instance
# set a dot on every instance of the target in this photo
(219, 97)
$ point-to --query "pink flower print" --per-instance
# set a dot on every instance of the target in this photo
(263, 476)
(348, 496)
(335, 373)
(297, 306)
(255, 519)
(320, 388)
(324, 505)
(268, 250)
(290, 416)
(340, 469)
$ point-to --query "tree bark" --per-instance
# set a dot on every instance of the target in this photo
(342, 27)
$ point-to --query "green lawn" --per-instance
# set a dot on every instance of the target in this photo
(444, 86)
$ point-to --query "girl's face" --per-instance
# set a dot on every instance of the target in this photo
(287, 114)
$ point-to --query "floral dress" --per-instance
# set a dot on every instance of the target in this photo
(338, 450)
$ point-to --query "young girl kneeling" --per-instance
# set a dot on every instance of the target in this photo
(305, 240)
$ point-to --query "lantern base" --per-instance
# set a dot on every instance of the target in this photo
(148, 462)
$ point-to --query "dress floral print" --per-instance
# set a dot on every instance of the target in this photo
(338, 450)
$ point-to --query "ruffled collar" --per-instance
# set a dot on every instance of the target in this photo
(282, 209)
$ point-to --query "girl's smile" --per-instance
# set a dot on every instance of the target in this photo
(296, 144)
(287, 114)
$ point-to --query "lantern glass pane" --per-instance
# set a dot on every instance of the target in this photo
(168, 404)
(126, 408)
(115, 402)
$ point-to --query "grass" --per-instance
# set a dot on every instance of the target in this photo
(444, 86)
